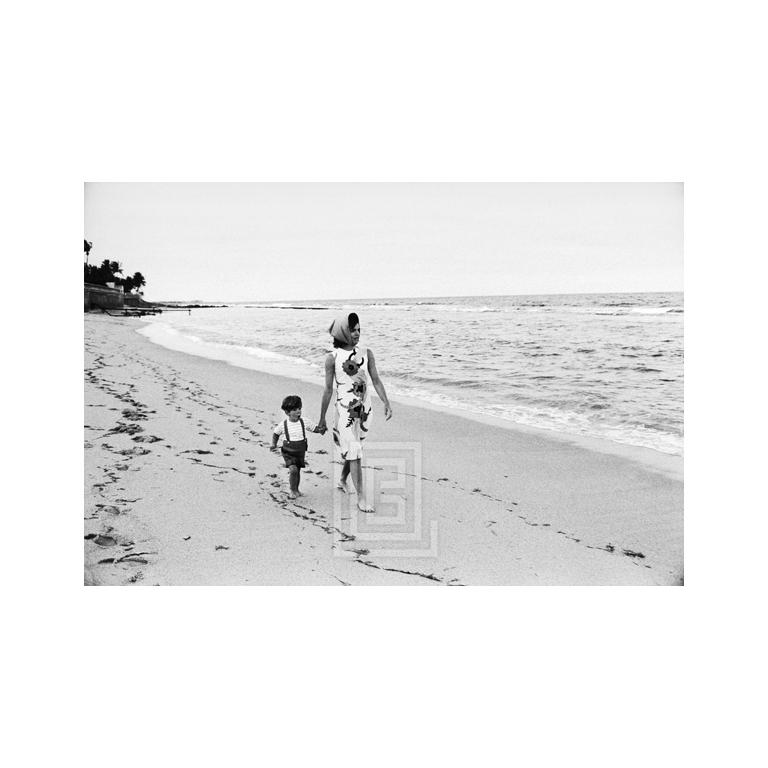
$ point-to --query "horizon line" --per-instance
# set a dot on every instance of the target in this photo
(441, 296)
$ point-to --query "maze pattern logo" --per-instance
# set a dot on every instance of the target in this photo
(392, 477)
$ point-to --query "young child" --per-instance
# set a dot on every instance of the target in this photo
(293, 432)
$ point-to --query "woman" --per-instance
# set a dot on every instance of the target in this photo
(347, 369)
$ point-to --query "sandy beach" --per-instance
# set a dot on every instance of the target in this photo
(181, 489)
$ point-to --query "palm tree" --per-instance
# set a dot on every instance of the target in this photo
(138, 280)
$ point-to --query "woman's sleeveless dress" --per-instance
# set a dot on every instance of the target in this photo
(353, 401)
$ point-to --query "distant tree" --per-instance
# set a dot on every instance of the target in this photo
(138, 280)
(110, 272)
(87, 247)
(93, 274)
(106, 272)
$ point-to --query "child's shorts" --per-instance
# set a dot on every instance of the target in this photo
(294, 452)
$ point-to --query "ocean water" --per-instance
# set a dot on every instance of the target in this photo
(600, 365)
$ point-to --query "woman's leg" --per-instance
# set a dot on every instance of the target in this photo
(344, 475)
(356, 473)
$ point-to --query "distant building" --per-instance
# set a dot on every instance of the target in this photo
(103, 297)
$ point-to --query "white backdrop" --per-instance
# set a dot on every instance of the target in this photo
(398, 91)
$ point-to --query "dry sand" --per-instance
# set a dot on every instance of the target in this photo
(180, 488)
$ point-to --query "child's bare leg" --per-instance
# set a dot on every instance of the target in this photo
(293, 481)
(342, 486)
(356, 472)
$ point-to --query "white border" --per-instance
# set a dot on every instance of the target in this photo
(348, 91)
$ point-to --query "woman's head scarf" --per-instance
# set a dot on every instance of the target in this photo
(340, 328)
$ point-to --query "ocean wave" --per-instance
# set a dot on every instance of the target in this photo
(446, 381)
(409, 307)
(557, 420)
(498, 364)
(454, 308)
(606, 309)
(284, 306)
(431, 305)
(656, 310)
(257, 358)
(611, 310)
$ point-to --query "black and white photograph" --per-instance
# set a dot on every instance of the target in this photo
(384, 296)
(389, 384)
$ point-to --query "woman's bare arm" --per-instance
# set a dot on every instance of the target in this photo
(330, 375)
(378, 384)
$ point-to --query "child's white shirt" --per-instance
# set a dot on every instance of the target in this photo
(294, 429)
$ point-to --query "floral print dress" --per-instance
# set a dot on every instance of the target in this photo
(353, 401)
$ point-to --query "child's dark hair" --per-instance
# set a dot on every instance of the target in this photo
(291, 403)
(353, 320)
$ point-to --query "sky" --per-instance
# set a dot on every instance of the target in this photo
(282, 242)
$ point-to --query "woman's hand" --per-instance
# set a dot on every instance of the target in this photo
(378, 385)
(322, 428)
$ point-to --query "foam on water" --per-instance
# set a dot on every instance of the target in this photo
(606, 366)
(253, 358)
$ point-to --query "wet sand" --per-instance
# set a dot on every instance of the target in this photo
(180, 488)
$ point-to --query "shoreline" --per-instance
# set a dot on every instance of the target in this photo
(180, 483)
(671, 465)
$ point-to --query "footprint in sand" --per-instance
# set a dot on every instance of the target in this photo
(134, 415)
(134, 452)
(632, 553)
(128, 429)
(110, 509)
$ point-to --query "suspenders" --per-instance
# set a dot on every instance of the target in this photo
(285, 428)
